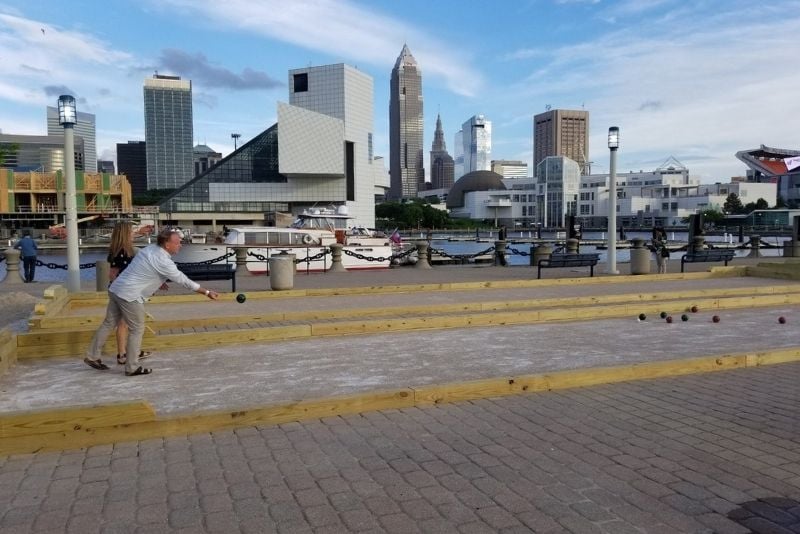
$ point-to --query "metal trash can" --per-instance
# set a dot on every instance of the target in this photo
(640, 257)
(281, 272)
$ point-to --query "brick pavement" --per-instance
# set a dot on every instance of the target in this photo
(658, 456)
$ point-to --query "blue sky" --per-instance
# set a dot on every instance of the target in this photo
(697, 81)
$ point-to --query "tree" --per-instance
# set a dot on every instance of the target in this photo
(733, 204)
(762, 204)
(710, 216)
(6, 149)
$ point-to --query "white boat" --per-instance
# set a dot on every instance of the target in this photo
(308, 239)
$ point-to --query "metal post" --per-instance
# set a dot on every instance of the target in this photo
(70, 202)
(612, 207)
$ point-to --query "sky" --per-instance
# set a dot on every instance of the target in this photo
(697, 80)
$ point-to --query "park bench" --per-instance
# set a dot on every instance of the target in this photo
(711, 254)
(211, 271)
(569, 260)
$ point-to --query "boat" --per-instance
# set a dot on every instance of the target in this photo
(308, 239)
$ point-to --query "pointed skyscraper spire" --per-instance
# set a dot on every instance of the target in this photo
(405, 58)
(438, 136)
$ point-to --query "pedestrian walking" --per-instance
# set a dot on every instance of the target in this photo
(28, 249)
(147, 272)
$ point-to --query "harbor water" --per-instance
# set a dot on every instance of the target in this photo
(520, 241)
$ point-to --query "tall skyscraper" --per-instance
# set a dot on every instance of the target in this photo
(458, 155)
(476, 134)
(168, 131)
(84, 128)
(442, 170)
(406, 128)
(562, 132)
(132, 162)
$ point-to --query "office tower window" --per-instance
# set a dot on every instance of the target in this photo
(301, 82)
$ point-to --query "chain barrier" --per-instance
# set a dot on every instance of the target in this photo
(315, 257)
(463, 258)
(51, 265)
(308, 259)
(367, 258)
(206, 262)
(401, 255)
(518, 252)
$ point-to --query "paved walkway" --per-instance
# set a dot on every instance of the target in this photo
(662, 456)
(659, 456)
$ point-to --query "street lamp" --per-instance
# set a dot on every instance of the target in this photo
(235, 137)
(67, 117)
(613, 145)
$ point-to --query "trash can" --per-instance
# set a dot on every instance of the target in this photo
(281, 272)
(640, 257)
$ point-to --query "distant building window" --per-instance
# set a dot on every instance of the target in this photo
(301, 82)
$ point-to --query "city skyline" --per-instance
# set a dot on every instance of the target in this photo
(678, 80)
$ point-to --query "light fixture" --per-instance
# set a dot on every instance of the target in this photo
(613, 138)
(67, 113)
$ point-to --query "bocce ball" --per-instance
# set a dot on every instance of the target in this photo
(240, 298)
(669, 318)
(782, 320)
(642, 317)
(715, 319)
(684, 317)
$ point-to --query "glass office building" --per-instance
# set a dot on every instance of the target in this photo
(168, 131)
(406, 168)
(476, 135)
(84, 128)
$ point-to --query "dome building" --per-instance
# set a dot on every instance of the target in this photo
(481, 195)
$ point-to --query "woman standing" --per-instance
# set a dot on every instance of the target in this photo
(120, 254)
(660, 248)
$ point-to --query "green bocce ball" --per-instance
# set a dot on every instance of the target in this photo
(240, 298)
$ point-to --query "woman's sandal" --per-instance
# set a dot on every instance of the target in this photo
(96, 364)
(123, 358)
(139, 371)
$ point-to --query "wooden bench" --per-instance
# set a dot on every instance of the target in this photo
(569, 260)
(711, 254)
(201, 271)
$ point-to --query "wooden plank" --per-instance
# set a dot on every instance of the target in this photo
(461, 391)
(228, 337)
(74, 419)
(77, 346)
(777, 356)
(8, 350)
(206, 422)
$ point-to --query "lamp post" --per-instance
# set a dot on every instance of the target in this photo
(235, 137)
(67, 117)
(613, 145)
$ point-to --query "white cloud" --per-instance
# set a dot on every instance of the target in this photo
(694, 87)
(339, 28)
(35, 54)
